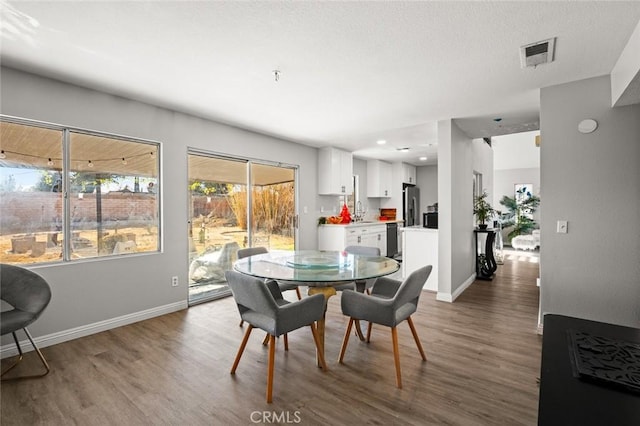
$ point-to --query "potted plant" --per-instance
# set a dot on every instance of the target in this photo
(520, 215)
(482, 209)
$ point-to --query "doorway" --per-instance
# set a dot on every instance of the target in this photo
(235, 203)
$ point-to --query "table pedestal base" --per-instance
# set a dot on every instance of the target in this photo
(327, 292)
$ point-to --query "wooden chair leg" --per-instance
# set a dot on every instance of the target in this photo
(369, 332)
(396, 356)
(241, 323)
(319, 350)
(241, 349)
(286, 343)
(415, 337)
(272, 355)
(298, 293)
(345, 340)
(358, 330)
(265, 341)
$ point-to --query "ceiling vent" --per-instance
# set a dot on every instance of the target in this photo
(534, 54)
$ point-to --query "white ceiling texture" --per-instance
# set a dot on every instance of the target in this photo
(351, 73)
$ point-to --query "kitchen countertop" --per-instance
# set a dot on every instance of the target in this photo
(418, 228)
(364, 223)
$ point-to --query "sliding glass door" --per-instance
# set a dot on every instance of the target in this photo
(273, 213)
(234, 203)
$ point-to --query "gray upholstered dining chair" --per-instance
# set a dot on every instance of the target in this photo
(259, 309)
(28, 294)
(252, 251)
(390, 303)
(364, 251)
(360, 285)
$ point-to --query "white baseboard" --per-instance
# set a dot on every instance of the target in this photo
(86, 330)
(450, 297)
(444, 297)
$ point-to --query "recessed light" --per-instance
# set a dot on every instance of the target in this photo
(423, 158)
(381, 142)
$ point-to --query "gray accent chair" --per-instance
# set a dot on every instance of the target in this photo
(365, 284)
(28, 294)
(391, 302)
(259, 309)
(360, 285)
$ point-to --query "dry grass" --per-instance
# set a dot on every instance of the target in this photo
(217, 232)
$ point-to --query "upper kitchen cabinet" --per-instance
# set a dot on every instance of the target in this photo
(335, 171)
(408, 173)
(378, 179)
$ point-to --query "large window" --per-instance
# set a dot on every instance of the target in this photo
(67, 194)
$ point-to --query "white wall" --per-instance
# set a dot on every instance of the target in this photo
(458, 158)
(625, 76)
(92, 291)
(445, 206)
(516, 151)
(427, 181)
(483, 163)
(462, 250)
(593, 181)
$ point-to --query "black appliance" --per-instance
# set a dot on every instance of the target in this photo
(410, 203)
(430, 220)
(392, 239)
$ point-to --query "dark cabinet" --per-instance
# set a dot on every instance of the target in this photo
(392, 239)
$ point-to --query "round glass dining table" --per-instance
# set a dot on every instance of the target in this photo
(320, 271)
(316, 268)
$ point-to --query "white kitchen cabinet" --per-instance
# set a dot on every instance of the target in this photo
(375, 236)
(408, 173)
(378, 179)
(337, 237)
(335, 171)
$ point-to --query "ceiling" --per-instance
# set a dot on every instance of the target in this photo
(351, 73)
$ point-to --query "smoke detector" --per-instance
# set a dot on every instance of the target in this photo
(540, 52)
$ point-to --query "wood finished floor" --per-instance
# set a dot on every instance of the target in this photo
(483, 361)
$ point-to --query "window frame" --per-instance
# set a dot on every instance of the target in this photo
(66, 132)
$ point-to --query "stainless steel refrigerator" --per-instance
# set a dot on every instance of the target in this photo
(410, 204)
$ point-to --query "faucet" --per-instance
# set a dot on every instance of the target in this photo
(359, 212)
